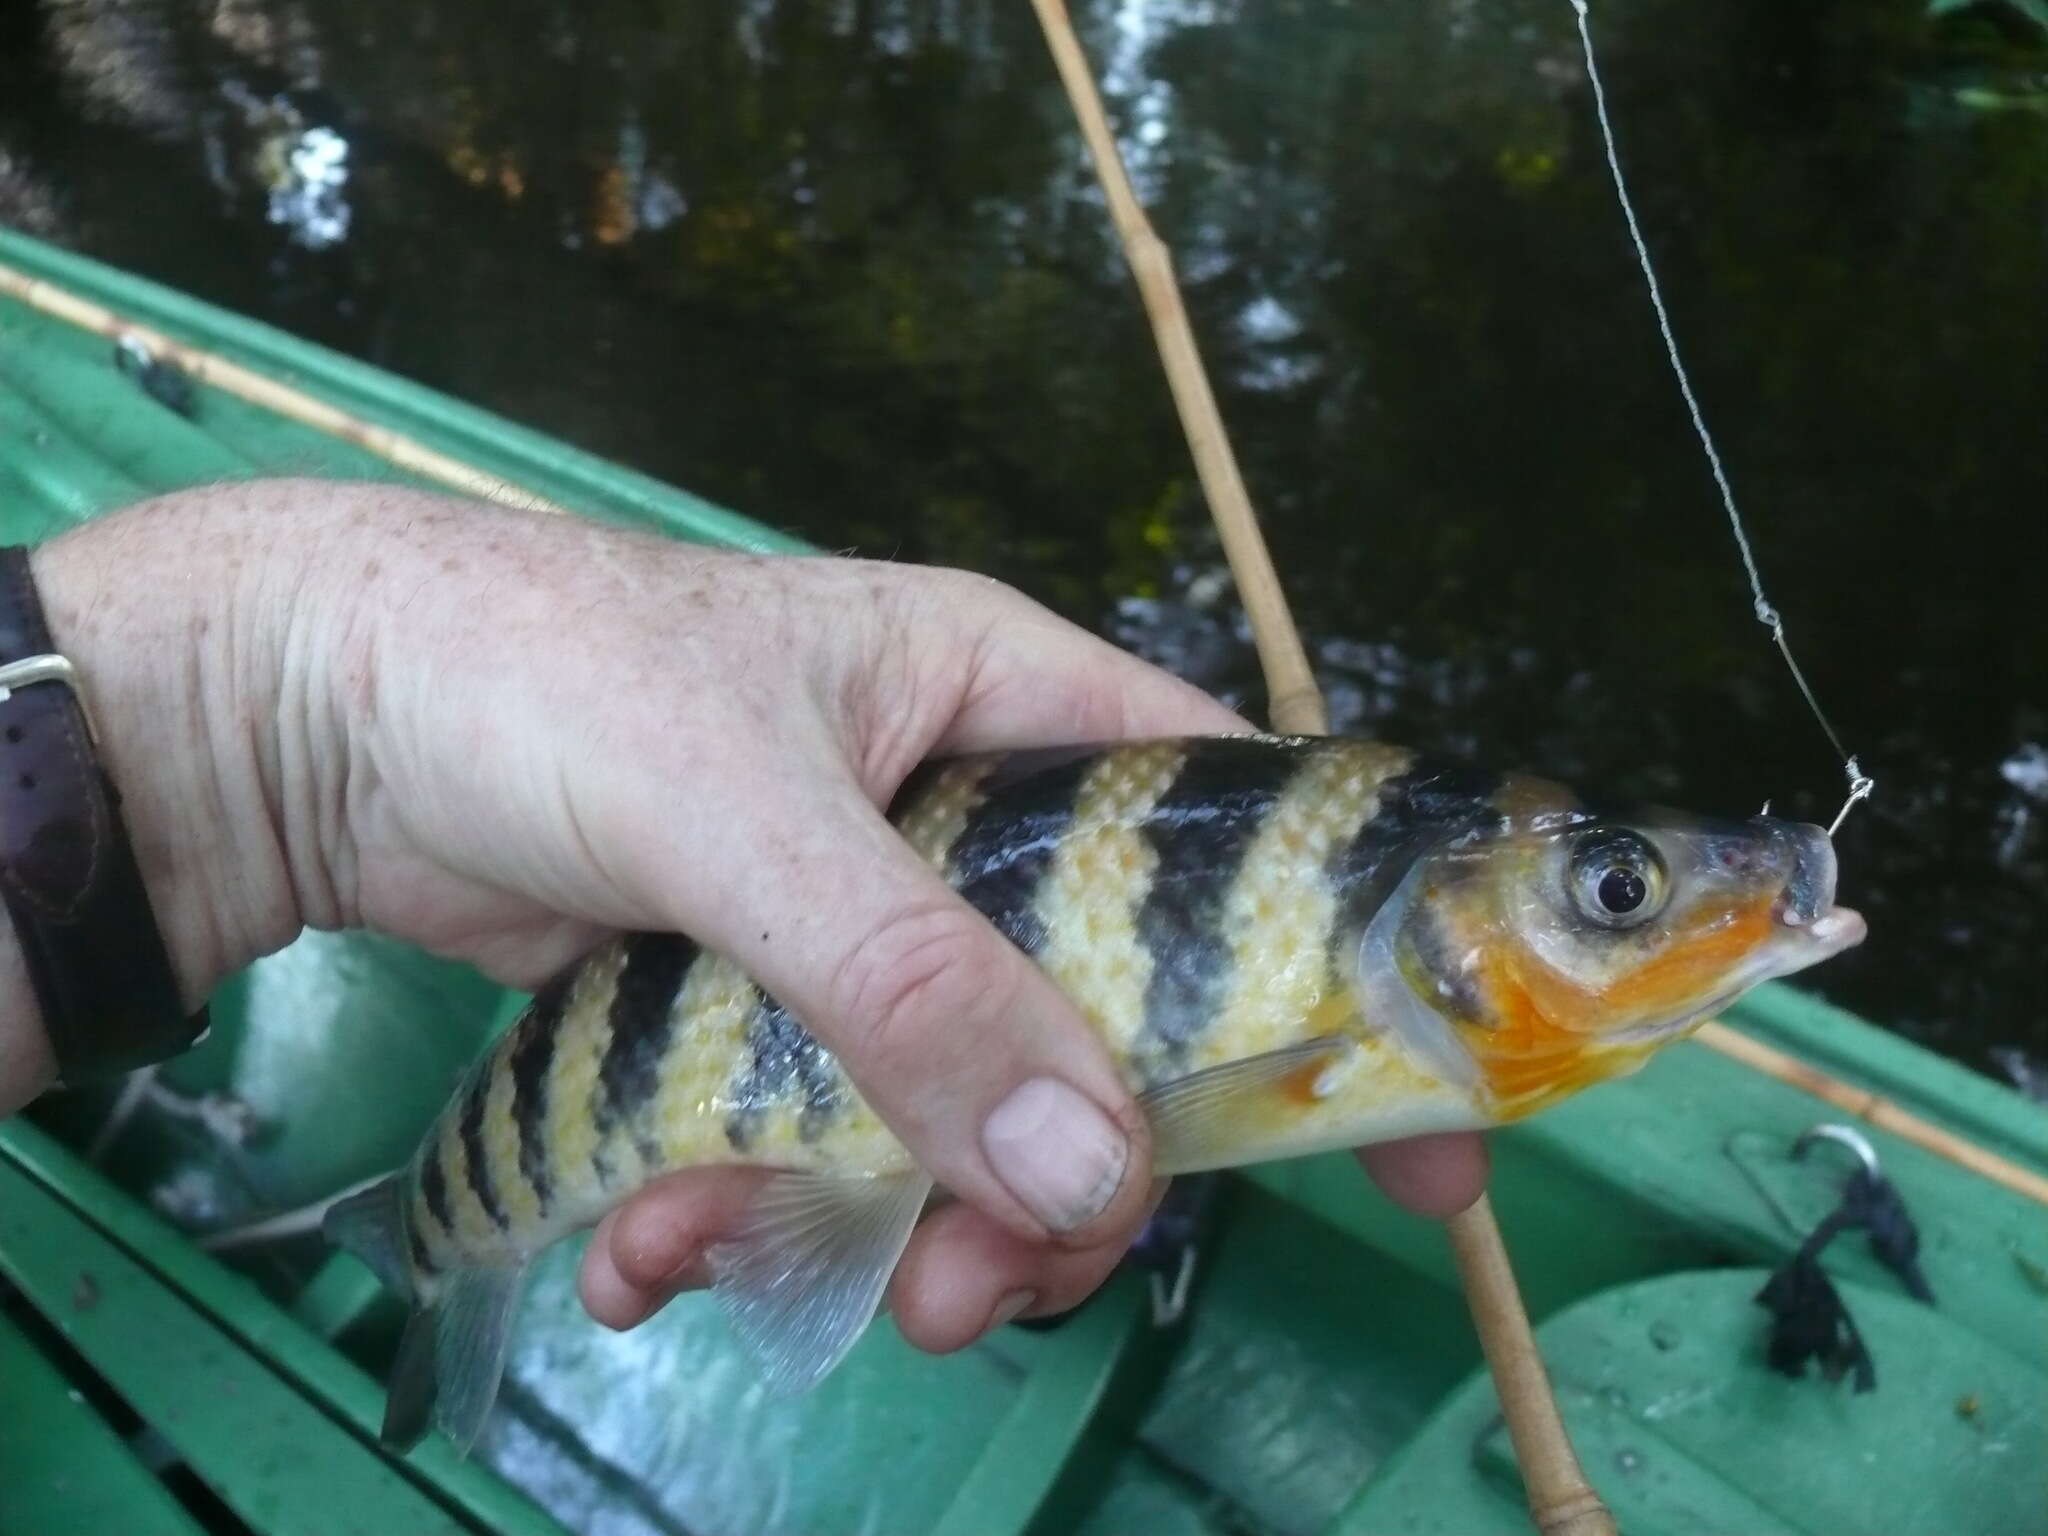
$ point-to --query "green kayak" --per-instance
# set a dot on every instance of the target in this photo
(170, 1364)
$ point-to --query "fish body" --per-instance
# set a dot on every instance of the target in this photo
(1288, 945)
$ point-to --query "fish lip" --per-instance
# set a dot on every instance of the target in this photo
(1810, 942)
(1661, 1030)
(1836, 929)
(1809, 893)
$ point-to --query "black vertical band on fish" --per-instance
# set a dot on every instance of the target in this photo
(531, 1057)
(1001, 855)
(1433, 802)
(476, 1159)
(1200, 831)
(434, 1188)
(423, 1264)
(640, 1019)
(783, 1058)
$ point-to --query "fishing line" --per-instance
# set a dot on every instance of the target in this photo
(1860, 783)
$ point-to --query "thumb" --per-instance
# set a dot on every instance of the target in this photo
(967, 1051)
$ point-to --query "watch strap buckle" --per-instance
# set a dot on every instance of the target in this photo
(48, 668)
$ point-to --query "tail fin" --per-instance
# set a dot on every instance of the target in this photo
(453, 1351)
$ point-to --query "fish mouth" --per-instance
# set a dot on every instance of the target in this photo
(1802, 942)
(1835, 930)
(1811, 927)
(1814, 928)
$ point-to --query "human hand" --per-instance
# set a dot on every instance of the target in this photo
(500, 736)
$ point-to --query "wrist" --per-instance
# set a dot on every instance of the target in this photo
(153, 608)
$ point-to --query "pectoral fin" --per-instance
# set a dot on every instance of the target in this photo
(1206, 1119)
(801, 1279)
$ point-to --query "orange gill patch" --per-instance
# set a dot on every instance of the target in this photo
(1549, 1038)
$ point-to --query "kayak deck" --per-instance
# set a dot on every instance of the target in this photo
(1325, 1380)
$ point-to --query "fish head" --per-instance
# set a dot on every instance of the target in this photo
(1556, 946)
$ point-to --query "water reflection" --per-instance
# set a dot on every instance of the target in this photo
(27, 201)
(301, 166)
(2019, 817)
(843, 266)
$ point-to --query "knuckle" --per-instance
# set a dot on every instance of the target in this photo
(1098, 710)
(970, 605)
(891, 707)
(919, 969)
(959, 584)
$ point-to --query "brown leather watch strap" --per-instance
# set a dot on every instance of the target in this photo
(95, 955)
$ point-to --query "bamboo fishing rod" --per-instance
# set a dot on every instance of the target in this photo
(1561, 1501)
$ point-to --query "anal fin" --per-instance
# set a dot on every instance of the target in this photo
(409, 1394)
(1200, 1121)
(451, 1358)
(471, 1327)
(801, 1279)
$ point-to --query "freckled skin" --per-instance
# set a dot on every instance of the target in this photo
(1201, 901)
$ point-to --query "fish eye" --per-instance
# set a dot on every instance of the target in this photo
(1617, 880)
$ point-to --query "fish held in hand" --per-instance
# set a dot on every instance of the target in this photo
(1288, 945)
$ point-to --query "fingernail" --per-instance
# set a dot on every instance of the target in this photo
(1056, 1152)
(1009, 1308)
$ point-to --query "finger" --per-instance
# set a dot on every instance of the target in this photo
(646, 1251)
(1040, 681)
(1433, 1175)
(605, 1293)
(968, 1052)
(964, 1275)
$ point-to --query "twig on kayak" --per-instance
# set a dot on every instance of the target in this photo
(1561, 1501)
(145, 346)
(1880, 1111)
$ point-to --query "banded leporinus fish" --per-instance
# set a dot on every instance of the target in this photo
(1288, 945)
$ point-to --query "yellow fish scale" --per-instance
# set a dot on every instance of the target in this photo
(932, 825)
(443, 1243)
(1098, 879)
(688, 1117)
(1281, 910)
(475, 1232)
(580, 1041)
(713, 1010)
(418, 1218)
(516, 1198)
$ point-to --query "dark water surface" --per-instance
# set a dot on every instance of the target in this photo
(841, 266)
